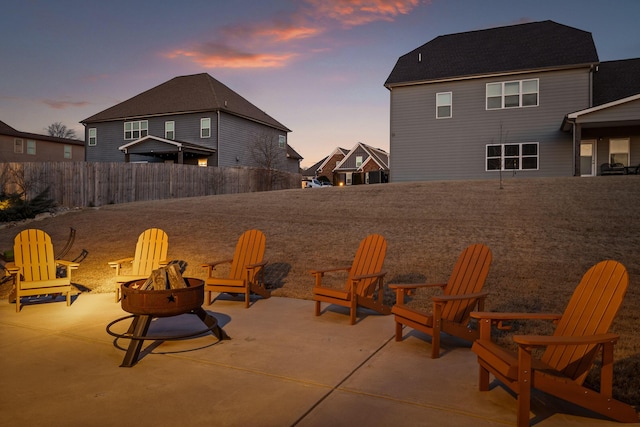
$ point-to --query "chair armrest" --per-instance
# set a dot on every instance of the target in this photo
(409, 289)
(118, 262)
(68, 264)
(416, 285)
(257, 265)
(214, 264)
(368, 276)
(12, 268)
(445, 298)
(496, 316)
(545, 340)
(329, 270)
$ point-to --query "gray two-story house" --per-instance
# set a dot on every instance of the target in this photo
(518, 99)
(192, 119)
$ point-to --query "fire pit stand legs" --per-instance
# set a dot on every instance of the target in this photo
(139, 327)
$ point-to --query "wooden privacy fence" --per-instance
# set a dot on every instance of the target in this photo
(82, 184)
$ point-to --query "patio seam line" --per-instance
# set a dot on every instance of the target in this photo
(337, 386)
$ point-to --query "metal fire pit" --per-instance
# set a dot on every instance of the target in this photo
(147, 304)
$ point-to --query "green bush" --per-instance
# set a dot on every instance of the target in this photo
(13, 207)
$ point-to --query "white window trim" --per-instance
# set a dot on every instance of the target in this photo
(167, 130)
(18, 142)
(143, 127)
(93, 137)
(520, 94)
(520, 157)
(450, 105)
(202, 127)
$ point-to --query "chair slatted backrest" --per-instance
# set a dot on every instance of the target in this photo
(152, 247)
(249, 250)
(368, 260)
(33, 252)
(468, 276)
(591, 310)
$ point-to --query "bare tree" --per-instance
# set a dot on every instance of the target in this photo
(59, 130)
(267, 154)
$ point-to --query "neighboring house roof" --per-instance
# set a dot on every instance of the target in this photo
(5, 129)
(338, 151)
(172, 145)
(380, 157)
(312, 170)
(183, 95)
(293, 154)
(523, 47)
(616, 80)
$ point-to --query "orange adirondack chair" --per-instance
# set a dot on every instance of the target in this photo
(364, 286)
(246, 275)
(34, 267)
(581, 333)
(150, 254)
(450, 312)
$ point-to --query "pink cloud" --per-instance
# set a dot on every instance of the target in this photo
(360, 12)
(272, 44)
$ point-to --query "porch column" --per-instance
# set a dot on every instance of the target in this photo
(180, 157)
(577, 136)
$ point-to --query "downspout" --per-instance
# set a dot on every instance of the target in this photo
(218, 138)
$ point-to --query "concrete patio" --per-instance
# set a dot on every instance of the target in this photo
(282, 367)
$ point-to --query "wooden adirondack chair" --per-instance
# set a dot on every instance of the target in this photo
(581, 333)
(150, 254)
(364, 285)
(451, 310)
(34, 267)
(246, 274)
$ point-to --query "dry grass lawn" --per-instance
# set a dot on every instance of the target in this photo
(544, 234)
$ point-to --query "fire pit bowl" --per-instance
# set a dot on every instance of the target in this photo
(165, 302)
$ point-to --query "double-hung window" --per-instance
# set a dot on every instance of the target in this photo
(522, 156)
(136, 130)
(282, 141)
(67, 151)
(444, 104)
(514, 94)
(18, 146)
(170, 130)
(93, 136)
(205, 127)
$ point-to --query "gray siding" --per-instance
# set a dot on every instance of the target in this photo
(350, 161)
(237, 135)
(425, 148)
(627, 111)
(111, 136)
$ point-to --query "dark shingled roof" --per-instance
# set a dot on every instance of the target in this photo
(186, 94)
(616, 80)
(531, 46)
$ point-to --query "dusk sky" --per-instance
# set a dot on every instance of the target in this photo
(316, 66)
